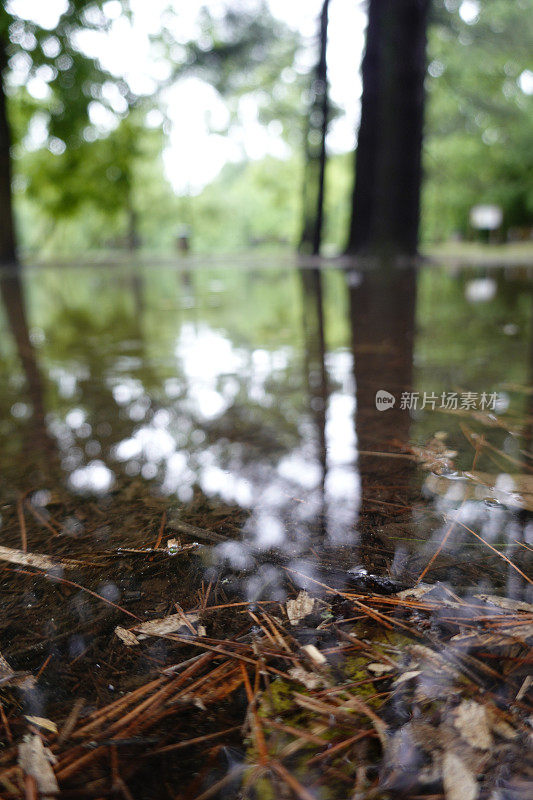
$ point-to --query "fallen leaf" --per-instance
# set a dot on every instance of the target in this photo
(309, 680)
(314, 654)
(471, 720)
(407, 676)
(380, 669)
(506, 603)
(35, 760)
(300, 608)
(459, 781)
(156, 627)
(42, 722)
(503, 638)
(126, 636)
(415, 593)
(160, 627)
(35, 560)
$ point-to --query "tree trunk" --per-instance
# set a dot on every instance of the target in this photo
(386, 198)
(7, 228)
(315, 151)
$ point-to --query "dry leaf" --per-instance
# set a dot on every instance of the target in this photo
(415, 593)
(34, 560)
(407, 676)
(300, 608)
(156, 627)
(34, 759)
(380, 669)
(126, 636)
(506, 603)
(160, 627)
(471, 720)
(314, 654)
(309, 680)
(459, 781)
(505, 637)
(42, 722)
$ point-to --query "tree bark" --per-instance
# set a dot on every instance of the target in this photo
(315, 151)
(386, 197)
(7, 227)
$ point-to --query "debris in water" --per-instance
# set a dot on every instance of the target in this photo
(300, 608)
(35, 761)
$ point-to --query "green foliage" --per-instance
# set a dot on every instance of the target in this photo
(252, 203)
(479, 120)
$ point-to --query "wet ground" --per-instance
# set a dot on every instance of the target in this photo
(208, 443)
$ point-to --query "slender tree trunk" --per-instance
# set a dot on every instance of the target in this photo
(386, 198)
(7, 227)
(315, 168)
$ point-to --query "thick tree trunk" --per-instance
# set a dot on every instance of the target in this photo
(7, 228)
(386, 199)
(315, 151)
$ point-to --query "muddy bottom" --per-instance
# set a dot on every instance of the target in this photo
(266, 533)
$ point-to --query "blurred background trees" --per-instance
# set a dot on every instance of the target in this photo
(90, 148)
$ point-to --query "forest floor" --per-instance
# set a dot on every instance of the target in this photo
(138, 669)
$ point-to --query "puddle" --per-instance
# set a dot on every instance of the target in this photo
(177, 440)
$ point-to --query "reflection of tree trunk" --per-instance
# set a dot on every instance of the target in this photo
(388, 158)
(382, 314)
(40, 442)
(7, 227)
(313, 206)
(315, 349)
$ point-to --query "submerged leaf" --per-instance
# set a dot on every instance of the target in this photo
(471, 720)
(459, 782)
(300, 608)
(34, 759)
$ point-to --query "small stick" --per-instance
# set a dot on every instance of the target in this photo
(161, 530)
(22, 523)
(71, 720)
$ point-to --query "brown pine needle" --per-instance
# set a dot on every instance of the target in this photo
(501, 555)
(259, 735)
(190, 742)
(439, 548)
(299, 790)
